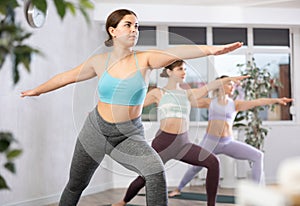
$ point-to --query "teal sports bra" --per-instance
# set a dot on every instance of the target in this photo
(174, 103)
(130, 91)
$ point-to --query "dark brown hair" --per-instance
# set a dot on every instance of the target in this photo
(170, 67)
(215, 92)
(221, 77)
(113, 20)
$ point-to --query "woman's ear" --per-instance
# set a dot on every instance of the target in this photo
(169, 71)
(111, 31)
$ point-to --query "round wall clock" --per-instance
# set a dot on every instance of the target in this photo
(35, 17)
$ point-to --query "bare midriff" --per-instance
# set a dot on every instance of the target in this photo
(174, 125)
(219, 128)
(118, 113)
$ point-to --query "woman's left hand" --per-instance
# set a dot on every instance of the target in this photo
(218, 50)
(284, 100)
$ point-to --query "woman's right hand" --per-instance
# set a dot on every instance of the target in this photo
(28, 93)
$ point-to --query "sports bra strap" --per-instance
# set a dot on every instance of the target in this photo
(107, 61)
(136, 60)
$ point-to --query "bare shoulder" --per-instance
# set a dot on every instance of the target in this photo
(144, 56)
(155, 92)
(98, 62)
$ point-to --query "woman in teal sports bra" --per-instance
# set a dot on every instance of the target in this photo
(114, 127)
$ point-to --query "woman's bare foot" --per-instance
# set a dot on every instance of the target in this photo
(121, 203)
(174, 193)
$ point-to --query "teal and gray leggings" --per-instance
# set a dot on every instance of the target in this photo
(125, 143)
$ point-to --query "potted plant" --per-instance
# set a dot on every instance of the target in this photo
(259, 85)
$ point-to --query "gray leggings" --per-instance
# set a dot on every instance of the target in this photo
(232, 148)
(125, 143)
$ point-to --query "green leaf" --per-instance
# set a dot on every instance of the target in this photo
(10, 166)
(16, 74)
(71, 7)
(86, 4)
(60, 8)
(3, 184)
(4, 145)
(13, 154)
(86, 16)
(239, 125)
(239, 118)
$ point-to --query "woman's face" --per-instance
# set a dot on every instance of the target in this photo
(228, 88)
(178, 73)
(126, 33)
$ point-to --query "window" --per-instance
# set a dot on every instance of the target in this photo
(187, 35)
(279, 67)
(196, 77)
(274, 54)
(271, 37)
(147, 36)
(228, 35)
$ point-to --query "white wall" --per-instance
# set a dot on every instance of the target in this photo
(46, 126)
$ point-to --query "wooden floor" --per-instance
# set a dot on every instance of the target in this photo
(114, 195)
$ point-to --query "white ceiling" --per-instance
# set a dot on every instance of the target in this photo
(239, 3)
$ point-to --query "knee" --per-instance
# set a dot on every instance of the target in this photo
(259, 156)
(157, 178)
(152, 166)
(213, 163)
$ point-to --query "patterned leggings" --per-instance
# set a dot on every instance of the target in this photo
(177, 146)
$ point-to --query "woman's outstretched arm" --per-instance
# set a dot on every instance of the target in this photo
(245, 105)
(80, 73)
(162, 58)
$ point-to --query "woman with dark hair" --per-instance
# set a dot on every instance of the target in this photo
(219, 139)
(171, 140)
(114, 127)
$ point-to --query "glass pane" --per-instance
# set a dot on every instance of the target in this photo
(280, 37)
(227, 64)
(187, 35)
(197, 76)
(279, 67)
(228, 35)
(147, 36)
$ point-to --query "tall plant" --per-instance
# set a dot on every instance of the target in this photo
(259, 85)
(13, 47)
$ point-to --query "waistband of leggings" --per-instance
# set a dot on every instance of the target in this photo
(218, 139)
(134, 121)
